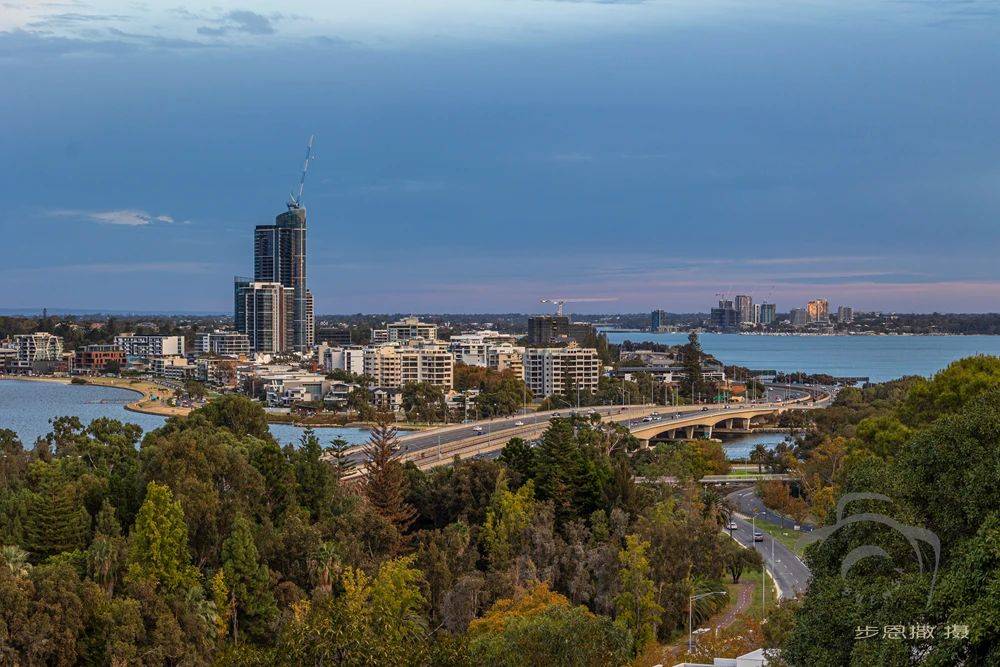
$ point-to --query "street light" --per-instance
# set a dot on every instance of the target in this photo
(691, 600)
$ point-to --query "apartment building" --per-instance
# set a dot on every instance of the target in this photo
(392, 366)
(38, 352)
(555, 370)
(146, 347)
(506, 357)
(818, 310)
(223, 343)
(173, 367)
(410, 328)
(350, 358)
(99, 358)
(473, 348)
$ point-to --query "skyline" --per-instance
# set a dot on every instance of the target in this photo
(479, 158)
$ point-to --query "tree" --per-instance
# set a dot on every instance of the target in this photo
(340, 456)
(506, 521)
(540, 627)
(158, 550)
(247, 582)
(385, 480)
(737, 558)
(759, 456)
(239, 414)
(424, 402)
(635, 606)
(314, 476)
(58, 521)
(692, 355)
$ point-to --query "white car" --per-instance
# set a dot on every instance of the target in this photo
(732, 526)
(477, 429)
(519, 423)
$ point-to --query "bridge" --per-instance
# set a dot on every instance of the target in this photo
(441, 446)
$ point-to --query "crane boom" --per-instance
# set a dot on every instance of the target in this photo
(295, 200)
(559, 303)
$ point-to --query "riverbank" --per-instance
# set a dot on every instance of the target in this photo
(153, 398)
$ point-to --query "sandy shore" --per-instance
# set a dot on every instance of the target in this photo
(153, 397)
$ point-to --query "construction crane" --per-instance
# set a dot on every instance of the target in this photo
(559, 303)
(295, 200)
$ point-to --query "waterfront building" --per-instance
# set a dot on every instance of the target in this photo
(799, 317)
(280, 257)
(394, 365)
(768, 313)
(261, 314)
(218, 371)
(818, 310)
(845, 314)
(558, 370)
(173, 367)
(145, 347)
(725, 317)
(506, 357)
(744, 306)
(350, 358)
(99, 358)
(284, 389)
(658, 321)
(410, 328)
(223, 343)
(37, 352)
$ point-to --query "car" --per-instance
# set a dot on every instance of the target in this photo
(519, 423)
(555, 414)
(758, 536)
(705, 409)
(477, 429)
(647, 419)
(732, 526)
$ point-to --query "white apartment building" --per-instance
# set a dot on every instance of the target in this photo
(392, 366)
(223, 344)
(173, 367)
(554, 370)
(146, 347)
(472, 348)
(350, 358)
(285, 389)
(409, 328)
(37, 350)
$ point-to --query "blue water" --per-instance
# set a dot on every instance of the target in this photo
(26, 407)
(877, 357)
(739, 447)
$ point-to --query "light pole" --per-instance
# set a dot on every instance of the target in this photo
(691, 599)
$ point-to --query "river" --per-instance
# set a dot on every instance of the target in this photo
(26, 407)
(880, 358)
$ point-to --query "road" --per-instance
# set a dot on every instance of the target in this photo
(787, 569)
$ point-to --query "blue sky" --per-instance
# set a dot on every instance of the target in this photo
(478, 155)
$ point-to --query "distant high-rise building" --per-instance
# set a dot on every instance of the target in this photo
(744, 306)
(768, 313)
(756, 313)
(845, 314)
(279, 256)
(725, 317)
(800, 317)
(658, 320)
(818, 310)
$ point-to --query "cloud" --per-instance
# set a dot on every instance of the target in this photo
(242, 21)
(126, 217)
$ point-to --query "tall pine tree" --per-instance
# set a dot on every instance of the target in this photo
(247, 582)
(158, 545)
(386, 485)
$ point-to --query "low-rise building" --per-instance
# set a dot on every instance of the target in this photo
(173, 367)
(557, 370)
(286, 389)
(472, 348)
(98, 358)
(506, 357)
(147, 347)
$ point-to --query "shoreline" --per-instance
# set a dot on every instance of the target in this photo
(147, 390)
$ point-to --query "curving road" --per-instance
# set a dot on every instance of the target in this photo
(788, 570)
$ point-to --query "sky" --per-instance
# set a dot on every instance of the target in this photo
(480, 155)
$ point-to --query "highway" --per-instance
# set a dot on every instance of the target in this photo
(788, 570)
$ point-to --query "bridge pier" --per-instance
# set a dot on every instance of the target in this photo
(689, 432)
(746, 423)
(643, 443)
(708, 432)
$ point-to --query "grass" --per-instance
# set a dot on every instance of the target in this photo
(786, 536)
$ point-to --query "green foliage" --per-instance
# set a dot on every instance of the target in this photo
(238, 414)
(424, 402)
(158, 550)
(949, 390)
(506, 521)
(636, 609)
(248, 584)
